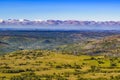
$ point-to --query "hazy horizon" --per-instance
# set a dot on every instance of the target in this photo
(60, 27)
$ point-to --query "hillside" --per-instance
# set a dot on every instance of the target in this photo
(49, 40)
(50, 65)
(3, 44)
(72, 55)
(109, 45)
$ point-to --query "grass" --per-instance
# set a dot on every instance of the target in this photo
(57, 65)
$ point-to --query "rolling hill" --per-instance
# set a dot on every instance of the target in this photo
(49, 40)
(75, 56)
(109, 45)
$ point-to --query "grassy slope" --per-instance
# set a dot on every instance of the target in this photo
(105, 46)
(45, 64)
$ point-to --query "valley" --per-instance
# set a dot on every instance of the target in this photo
(60, 55)
(12, 40)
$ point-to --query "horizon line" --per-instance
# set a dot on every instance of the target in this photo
(58, 19)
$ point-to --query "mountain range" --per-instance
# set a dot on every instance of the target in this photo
(58, 22)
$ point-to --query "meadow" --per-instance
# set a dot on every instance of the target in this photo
(50, 65)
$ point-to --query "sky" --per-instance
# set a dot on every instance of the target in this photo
(97, 10)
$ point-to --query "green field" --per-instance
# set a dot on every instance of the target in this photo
(50, 65)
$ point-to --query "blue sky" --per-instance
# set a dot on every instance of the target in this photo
(98, 10)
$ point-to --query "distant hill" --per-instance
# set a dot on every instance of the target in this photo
(3, 44)
(12, 40)
(105, 46)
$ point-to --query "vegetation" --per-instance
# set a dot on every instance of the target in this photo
(51, 65)
(19, 40)
(109, 46)
(63, 55)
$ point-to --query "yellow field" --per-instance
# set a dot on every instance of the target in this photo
(49, 65)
